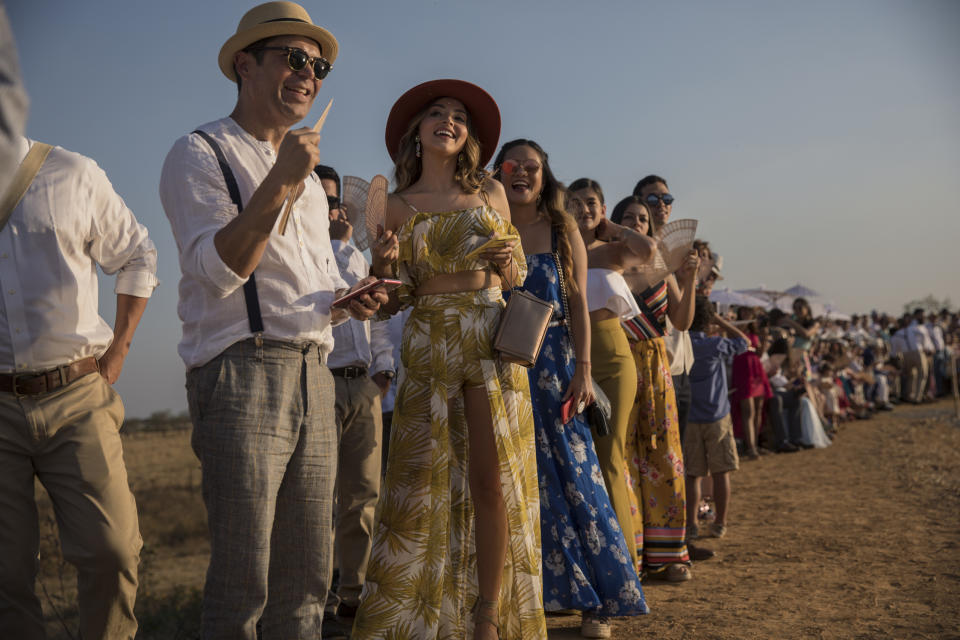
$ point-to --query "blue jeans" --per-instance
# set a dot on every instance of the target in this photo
(263, 429)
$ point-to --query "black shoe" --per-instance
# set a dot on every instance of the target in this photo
(346, 612)
(698, 554)
(787, 447)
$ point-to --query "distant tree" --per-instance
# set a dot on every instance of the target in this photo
(929, 304)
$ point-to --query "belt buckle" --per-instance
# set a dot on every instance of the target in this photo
(15, 381)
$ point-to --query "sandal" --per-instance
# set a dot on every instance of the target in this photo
(487, 611)
(594, 625)
(673, 572)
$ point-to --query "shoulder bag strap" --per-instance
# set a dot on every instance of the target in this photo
(564, 303)
(250, 286)
(22, 179)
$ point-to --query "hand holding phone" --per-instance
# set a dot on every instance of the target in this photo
(344, 300)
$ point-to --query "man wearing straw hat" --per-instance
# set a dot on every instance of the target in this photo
(256, 310)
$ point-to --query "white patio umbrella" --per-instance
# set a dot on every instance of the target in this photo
(800, 291)
(726, 296)
(772, 298)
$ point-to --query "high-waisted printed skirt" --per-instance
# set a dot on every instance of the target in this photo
(655, 461)
(422, 578)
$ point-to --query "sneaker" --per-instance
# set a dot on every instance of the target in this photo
(594, 626)
(715, 530)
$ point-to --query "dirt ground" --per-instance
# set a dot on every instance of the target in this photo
(856, 541)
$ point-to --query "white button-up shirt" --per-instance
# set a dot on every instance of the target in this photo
(297, 275)
(395, 331)
(358, 343)
(936, 335)
(69, 221)
(679, 350)
(918, 339)
(898, 342)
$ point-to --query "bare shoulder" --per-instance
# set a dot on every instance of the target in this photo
(398, 211)
(497, 197)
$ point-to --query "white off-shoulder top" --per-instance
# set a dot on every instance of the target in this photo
(606, 289)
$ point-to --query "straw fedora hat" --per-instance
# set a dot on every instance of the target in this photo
(484, 113)
(275, 19)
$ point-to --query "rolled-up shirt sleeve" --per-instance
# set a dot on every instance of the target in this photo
(380, 347)
(118, 243)
(194, 195)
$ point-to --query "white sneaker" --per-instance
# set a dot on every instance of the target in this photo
(594, 626)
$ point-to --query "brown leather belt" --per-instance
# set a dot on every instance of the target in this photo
(28, 384)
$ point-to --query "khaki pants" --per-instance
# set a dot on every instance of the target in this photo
(69, 439)
(359, 431)
(914, 377)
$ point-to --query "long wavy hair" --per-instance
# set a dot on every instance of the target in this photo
(621, 208)
(408, 167)
(551, 203)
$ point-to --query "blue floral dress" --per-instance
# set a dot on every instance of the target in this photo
(586, 563)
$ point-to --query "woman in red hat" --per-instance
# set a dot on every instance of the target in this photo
(459, 508)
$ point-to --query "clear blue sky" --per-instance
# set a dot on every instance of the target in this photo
(815, 141)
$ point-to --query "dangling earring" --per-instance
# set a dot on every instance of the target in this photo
(460, 160)
(539, 196)
(418, 145)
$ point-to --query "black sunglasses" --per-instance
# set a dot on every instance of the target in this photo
(297, 59)
(333, 202)
(653, 198)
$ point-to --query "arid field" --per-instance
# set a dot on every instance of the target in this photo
(857, 541)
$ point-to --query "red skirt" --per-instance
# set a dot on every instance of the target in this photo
(749, 380)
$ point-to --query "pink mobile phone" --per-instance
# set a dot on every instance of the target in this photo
(567, 410)
(387, 283)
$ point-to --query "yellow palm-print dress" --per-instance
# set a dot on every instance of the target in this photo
(421, 581)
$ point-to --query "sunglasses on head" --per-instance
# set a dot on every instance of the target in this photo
(653, 198)
(510, 166)
(297, 59)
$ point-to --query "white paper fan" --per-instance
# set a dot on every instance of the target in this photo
(674, 241)
(366, 204)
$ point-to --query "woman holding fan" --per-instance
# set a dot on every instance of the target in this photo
(654, 458)
(458, 518)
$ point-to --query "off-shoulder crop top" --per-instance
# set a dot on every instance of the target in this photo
(606, 289)
(432, 244)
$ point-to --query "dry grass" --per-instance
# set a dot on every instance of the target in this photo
(855, 541)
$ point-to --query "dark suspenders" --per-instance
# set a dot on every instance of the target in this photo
(250, 286)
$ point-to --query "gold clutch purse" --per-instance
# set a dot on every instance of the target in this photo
(523, 326)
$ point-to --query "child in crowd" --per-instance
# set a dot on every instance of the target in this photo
(708, 444)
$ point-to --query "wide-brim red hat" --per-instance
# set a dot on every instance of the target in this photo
(483, 110)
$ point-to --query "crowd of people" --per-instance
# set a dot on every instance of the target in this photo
(353, 412)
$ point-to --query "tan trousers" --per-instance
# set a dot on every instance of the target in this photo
(914, 377)
(616, 373)
(360, 438)
(69, 439)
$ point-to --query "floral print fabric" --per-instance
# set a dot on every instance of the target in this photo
(655, 462)
(422, 579)
(587, 564)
